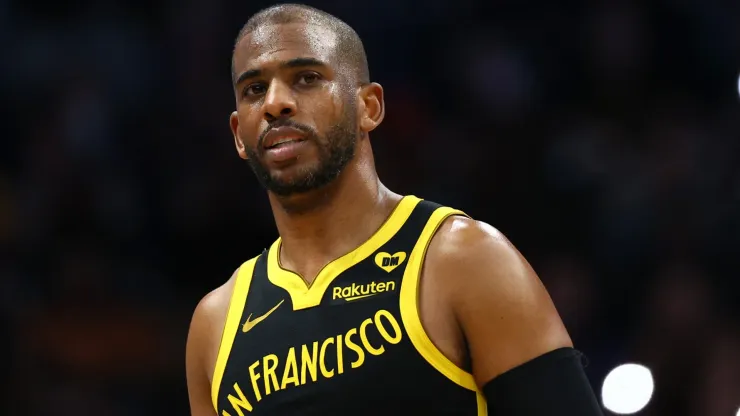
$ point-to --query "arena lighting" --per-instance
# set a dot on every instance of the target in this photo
(627, 389)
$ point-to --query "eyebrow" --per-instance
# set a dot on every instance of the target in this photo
(292, 63)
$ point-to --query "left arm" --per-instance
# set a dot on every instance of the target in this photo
(522, 356)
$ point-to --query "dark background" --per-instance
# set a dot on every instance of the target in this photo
(601, 137)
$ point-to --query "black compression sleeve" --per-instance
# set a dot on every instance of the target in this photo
(552, 384)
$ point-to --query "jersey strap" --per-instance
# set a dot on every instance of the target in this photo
(409, 302)
(231, 326)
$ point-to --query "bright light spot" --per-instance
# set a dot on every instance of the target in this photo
(627, 389)
(738, 91)
(738, 412)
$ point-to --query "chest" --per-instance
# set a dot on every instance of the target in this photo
(353, 342)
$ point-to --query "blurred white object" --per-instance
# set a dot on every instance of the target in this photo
(627, 389)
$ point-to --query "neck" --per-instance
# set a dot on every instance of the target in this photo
(323, 225)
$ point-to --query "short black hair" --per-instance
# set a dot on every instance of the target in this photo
(350, 46)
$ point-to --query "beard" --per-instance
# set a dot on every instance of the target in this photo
(335, 151)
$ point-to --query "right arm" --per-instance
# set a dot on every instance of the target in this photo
(201, 351)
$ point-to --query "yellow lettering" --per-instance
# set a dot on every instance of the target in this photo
(322, 362)
(290, 375)
(366, 342)
(340, 358)
(395, 339)
(315, 358)
(241, 402)
(309, 361)
(254, 376)
(356, 291)
(268, 369)
(354, 347)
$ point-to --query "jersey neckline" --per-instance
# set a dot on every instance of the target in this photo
(306, 296)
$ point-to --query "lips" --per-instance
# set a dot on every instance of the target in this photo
(282, 135)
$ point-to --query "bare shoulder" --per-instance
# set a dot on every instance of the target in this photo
(466, 245)
(503, 309)
(202, 346)
(214, 305)
(207, 323)
(471, 261)
(458, 231)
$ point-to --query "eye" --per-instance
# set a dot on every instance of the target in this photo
(308, 78)
(254, 89)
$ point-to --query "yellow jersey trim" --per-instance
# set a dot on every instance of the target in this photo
(231, 326)
(482, 403)
(306, 296)
(409, 305)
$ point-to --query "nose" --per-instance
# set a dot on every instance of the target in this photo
(279, 102)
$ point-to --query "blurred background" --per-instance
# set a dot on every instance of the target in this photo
(603, 138)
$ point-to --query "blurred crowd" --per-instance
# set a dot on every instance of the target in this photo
(603, 140)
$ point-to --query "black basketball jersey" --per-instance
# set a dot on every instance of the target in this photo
(351, 343)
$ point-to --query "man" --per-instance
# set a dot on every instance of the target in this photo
(369, 302)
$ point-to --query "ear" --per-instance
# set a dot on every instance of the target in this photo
(234, 124)
(372, 107)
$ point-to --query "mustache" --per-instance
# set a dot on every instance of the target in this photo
(310, 133)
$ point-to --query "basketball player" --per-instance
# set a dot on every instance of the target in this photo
(369, 303)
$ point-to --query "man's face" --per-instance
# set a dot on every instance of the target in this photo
(296, 120)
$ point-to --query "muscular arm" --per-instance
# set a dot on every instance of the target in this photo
(202, 347)
(506, 317)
